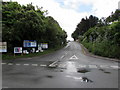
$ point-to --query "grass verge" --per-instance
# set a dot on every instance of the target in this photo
(10, 56)
(104, 49)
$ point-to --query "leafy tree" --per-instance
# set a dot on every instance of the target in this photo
(27, 23)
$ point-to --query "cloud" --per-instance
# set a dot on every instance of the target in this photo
(68, 13)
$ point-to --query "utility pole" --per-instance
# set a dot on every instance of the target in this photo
(119, 5)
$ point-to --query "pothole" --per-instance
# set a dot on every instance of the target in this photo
(82, 70)
(49, 76)
(101, 69)
(107, 72)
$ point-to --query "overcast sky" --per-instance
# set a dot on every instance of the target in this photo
(68, 13)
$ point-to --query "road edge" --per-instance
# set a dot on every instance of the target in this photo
(86, 52)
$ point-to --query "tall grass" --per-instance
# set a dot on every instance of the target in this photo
(104, 48)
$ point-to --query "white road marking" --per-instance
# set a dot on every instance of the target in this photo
(10, 63)
(18, 64)
(34, 64)
(115, 67)
(26, 64)
(53, 63)
(63, 56)
(82, 66)
(104, 66)
(3, 63)
(92, 66)
(43, 65)
(62, 65)
(74, 57)
(67, 46)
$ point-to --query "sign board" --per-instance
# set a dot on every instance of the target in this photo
(29, 43)
(3, 46)
(17, 49)
(44, 45)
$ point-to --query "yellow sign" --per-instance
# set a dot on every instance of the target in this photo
(3, 46)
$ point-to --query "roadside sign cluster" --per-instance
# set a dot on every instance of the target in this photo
(29, 46)
(32, 45)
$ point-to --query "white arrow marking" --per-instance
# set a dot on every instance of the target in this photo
(73, 57)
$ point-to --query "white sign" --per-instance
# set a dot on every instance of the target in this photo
(17, 49)
(3, 46)
(44, 45)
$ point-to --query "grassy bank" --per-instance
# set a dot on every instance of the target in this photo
(10, 56)
(103, 41)
(105, 49)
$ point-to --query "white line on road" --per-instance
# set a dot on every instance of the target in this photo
(10, 63)
(42, 65)
(115, 67)
(18, 64)
(53, 63)
(3, 63)
(92, 66)
(26, 64)
(34, 64)
(82, 66)
(74, 57)
(62, 65)
(63, 56)
(104, 66)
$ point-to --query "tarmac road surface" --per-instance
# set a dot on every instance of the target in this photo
(65, 68)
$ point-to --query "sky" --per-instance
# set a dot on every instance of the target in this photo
(69, 13)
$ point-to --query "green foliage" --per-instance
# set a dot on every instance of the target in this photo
(114, 16)
(84, 26)
(21, 22)
(103, 41)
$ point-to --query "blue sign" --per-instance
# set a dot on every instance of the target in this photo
(29, 43)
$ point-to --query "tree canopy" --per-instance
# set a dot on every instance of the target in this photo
(22, 22)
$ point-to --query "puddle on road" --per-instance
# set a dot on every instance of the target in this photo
(82, 70)
(105, 71)
(101, 69)
(82, 79)
(49, 76)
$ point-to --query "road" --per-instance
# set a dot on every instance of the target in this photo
(66, 68)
